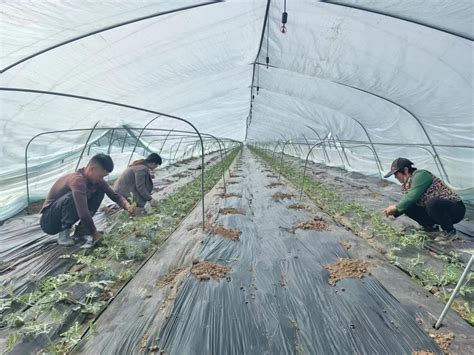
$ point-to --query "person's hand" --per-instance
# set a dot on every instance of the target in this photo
(390, 210)
(131, 210)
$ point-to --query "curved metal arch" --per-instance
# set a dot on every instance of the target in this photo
(343, 151)
(338, 152)
(281, 157)
(424, 148)
(365, 146)
(209, 136)
(379, 164)
(274, 148)
(165, 140)
(325, 153)
(363, 128)
(425, 132)
(410, 113)
(86, 98)
(307, 143)
(74, 39)
(305, 165)
(179, 144)
(85, 145)
(366, 9)
(139, 136)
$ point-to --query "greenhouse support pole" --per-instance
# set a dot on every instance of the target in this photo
(274, 149)
(194, 147)
(304, 170)
(165, 141)
(338, 152)
(379, 164)
(369, 148)
(85, 145)
(281, 158)
(325, 153)
(110, 141)
(222, 161)
(138, 138)
(309, 146)
(179, 144)
(343, 150)
(124, 140)
(118, 104)
(455, 292)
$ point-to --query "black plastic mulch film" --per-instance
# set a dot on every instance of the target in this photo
(306, 315)
(278, 300)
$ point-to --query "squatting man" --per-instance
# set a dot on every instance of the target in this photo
(77, 197)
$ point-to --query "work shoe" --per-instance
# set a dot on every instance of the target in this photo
(431, 229)
(89, 242)
(446, 237)
(65, 239)
(79, 231)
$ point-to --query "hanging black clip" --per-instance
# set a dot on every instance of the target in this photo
(284, 20)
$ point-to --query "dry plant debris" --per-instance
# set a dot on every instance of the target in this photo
(232, 234)
(281, 196)
(316, 223)
(180, 175)
(296, 206)
(422, 352)
(346, 268)
(169, 278)
(222, 195)
(346, 245)
(273, 184)
(443, 339)
(35, 207)
(229, 210)
(144, 341)
(198, 225)
(199, 167)
(205, 270)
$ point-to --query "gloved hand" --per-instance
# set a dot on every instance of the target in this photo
(154, 203)
(147, 207)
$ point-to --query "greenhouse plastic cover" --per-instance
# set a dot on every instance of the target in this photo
(391, 72)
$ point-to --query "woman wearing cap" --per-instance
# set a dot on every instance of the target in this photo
(136, 182)
(426, 199)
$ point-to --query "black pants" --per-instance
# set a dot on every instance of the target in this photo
(438, 211)
(62, 214)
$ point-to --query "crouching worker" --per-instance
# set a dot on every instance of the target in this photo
(427, 200)
(136, 182)
(77, 196)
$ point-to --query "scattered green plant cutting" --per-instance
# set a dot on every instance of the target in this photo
(371, 224)
(100, 271)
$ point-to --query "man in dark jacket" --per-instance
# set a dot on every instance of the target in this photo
(136, 182)
(77, 196)
(426, 199)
